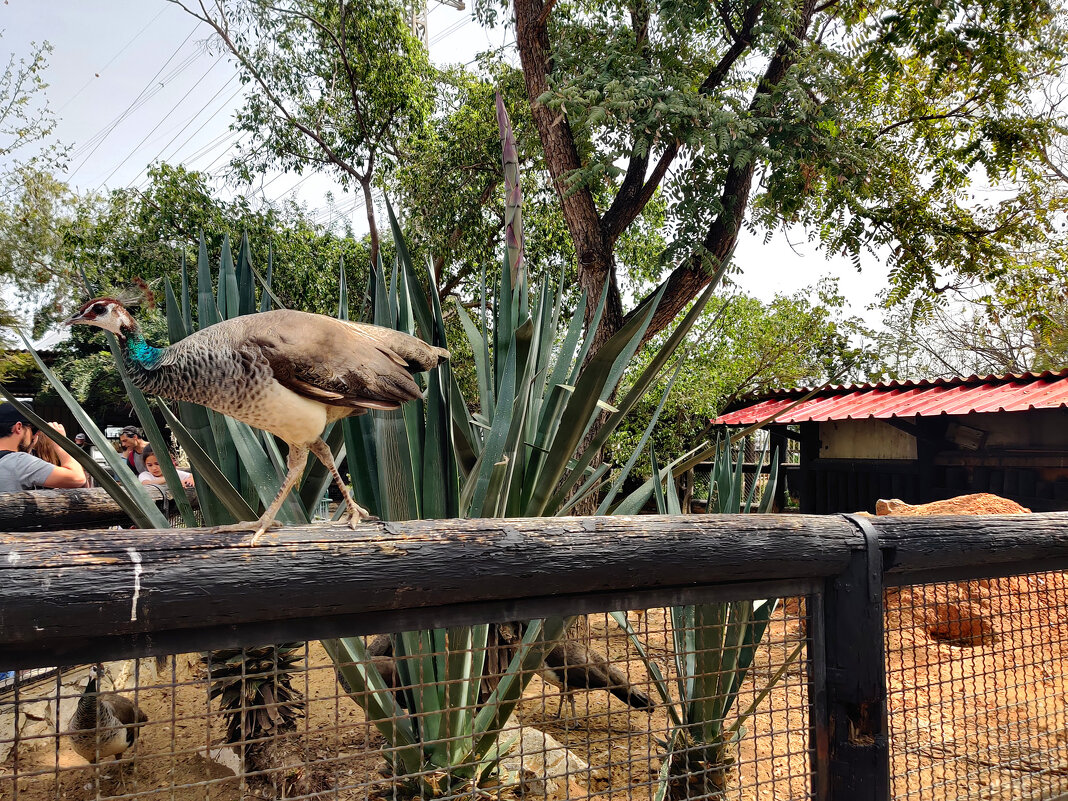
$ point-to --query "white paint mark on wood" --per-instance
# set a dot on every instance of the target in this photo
(135, 557)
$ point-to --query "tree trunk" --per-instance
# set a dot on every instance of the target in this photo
(593, 251)
(365, 185)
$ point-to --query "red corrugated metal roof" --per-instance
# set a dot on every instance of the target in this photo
(1004, 393)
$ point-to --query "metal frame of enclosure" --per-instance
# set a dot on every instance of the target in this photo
(74, 597)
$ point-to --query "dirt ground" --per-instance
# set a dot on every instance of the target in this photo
(978, 697)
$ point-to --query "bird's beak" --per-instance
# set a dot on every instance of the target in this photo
(75, 319)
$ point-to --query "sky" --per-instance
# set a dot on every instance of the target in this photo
(137, 82)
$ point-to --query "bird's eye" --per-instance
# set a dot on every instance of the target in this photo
(98, 309)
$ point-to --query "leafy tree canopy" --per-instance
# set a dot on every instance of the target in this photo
(27, 191)
(746, 347)
(333, 85)
(871, 125)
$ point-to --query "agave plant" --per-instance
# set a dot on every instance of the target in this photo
(540, 392)
(257, 684)
(713, 647)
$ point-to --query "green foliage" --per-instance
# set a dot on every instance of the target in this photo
(517, 452)
(743, 347)
(332, 86)
(112, 240)
(877, 128)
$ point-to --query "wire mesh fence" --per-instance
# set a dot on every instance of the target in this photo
(597, 717)
(977, 688)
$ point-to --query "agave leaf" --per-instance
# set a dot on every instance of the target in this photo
(658, 487)
(578, 414)
(765, 691)
(595, 321)
(493, 449)
(421, 311)
(592, 484)
(208, 472)
(362, 459)
(187, 303)
(465, 662)
(228, 300)
(265, 281)
(207, 310)
(768, 497)
(417, 668)
(618, 482)
(355, 664)
(660, 683)
(482, 366)
(538, 640)
(246, 288)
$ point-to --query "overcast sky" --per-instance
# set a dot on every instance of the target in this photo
(134, 83)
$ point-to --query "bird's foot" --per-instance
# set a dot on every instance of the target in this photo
(258, 527)
(357, 515)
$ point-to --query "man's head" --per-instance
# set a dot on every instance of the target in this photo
(15, 429)
(79, 438)
(130, 437)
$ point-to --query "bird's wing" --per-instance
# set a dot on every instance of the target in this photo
(339, 363)
(125, 710)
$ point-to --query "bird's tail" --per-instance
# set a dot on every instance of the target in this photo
(632, 696)
(622, 689)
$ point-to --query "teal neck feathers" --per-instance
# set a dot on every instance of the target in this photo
(139, 352)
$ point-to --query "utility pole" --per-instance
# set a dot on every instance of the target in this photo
(417, 17)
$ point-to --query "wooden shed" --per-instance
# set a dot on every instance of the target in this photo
(922, 441)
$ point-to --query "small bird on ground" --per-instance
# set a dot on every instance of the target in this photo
(570, 666)
(104, 724)
(287, 372)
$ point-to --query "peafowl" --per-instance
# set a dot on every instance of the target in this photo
(104, 724)
(287, 372)
(571, 666)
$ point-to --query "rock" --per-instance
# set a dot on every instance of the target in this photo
(543, 764)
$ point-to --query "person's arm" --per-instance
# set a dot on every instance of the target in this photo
(147, 478)
(69, 474)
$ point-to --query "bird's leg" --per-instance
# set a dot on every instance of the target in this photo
(298, 455)
(357, 513)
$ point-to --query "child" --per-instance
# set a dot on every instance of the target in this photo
(154, 473)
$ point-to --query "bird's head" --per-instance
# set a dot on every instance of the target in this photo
(107, 313)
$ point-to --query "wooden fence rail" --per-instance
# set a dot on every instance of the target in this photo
(53, 509)
(64, 591)
(85, 596)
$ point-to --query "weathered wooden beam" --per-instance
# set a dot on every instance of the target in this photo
(65, 593)
(54, 509)
(62, 589)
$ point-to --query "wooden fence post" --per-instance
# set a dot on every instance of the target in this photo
(852, 745)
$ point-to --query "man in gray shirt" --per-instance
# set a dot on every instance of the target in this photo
(19, 470)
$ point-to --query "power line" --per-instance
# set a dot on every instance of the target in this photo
(129, 109)
(124, 48)
(157, 125)
(189, 122)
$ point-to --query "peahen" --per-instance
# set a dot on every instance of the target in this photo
(571, 666)
(287, 372)
(104, 724)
